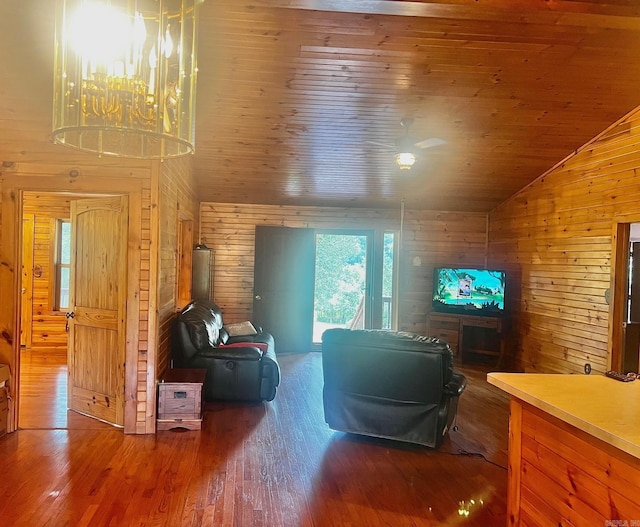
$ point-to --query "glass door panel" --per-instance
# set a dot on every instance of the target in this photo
(341, 297)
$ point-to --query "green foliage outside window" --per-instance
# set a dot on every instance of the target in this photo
(341, 262)
(340, 276)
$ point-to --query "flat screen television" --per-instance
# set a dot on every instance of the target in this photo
(468, 291)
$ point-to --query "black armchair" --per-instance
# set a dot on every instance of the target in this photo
(389, 384)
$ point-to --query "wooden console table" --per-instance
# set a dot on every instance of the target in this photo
(469, 335)
(574, 449)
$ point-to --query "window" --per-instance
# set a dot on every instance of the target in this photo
(388, 279)
(62, 264)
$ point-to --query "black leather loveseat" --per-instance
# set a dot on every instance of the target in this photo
(239, 368)
(389, 384)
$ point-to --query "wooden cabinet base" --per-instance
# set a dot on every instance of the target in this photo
(470, 336)
(170, 424)
(560, 475)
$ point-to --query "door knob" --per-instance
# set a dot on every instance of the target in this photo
(258, 297)
(69, 315)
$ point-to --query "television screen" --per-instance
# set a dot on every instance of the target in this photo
(469, 291)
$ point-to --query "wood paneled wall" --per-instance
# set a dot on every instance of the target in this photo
(48, 325)
(555, 238)
(177, 202)
(429, 239)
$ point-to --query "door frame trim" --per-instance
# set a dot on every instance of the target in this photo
(618, 286)
(28, 276)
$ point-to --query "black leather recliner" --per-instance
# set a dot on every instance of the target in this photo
(240, 368)
(390, 385)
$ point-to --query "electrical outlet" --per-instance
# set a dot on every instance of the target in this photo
(587, 368)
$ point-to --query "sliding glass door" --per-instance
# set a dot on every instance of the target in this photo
(354, 276)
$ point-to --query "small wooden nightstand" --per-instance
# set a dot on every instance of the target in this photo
(180, 399)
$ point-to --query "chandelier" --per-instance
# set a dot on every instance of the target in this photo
(125, 77)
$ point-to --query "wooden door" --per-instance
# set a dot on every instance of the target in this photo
(284, 271)
(96, 352)
(26, 319)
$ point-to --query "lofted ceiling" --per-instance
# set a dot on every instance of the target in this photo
(295, 97)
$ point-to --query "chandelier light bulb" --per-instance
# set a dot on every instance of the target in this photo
(99, 33)
(168, 44)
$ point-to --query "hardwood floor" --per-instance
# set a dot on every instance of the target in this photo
(262, 465)
(43, 393)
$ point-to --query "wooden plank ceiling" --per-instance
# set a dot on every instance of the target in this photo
(296, 96)
(291, 99)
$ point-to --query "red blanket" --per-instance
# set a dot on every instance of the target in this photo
(260, 345)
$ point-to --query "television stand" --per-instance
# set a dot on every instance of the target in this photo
(470, 337)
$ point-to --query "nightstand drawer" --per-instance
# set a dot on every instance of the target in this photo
(450, 337)
(446, 323)
(183, 401)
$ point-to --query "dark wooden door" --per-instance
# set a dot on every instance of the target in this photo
(283, 286)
